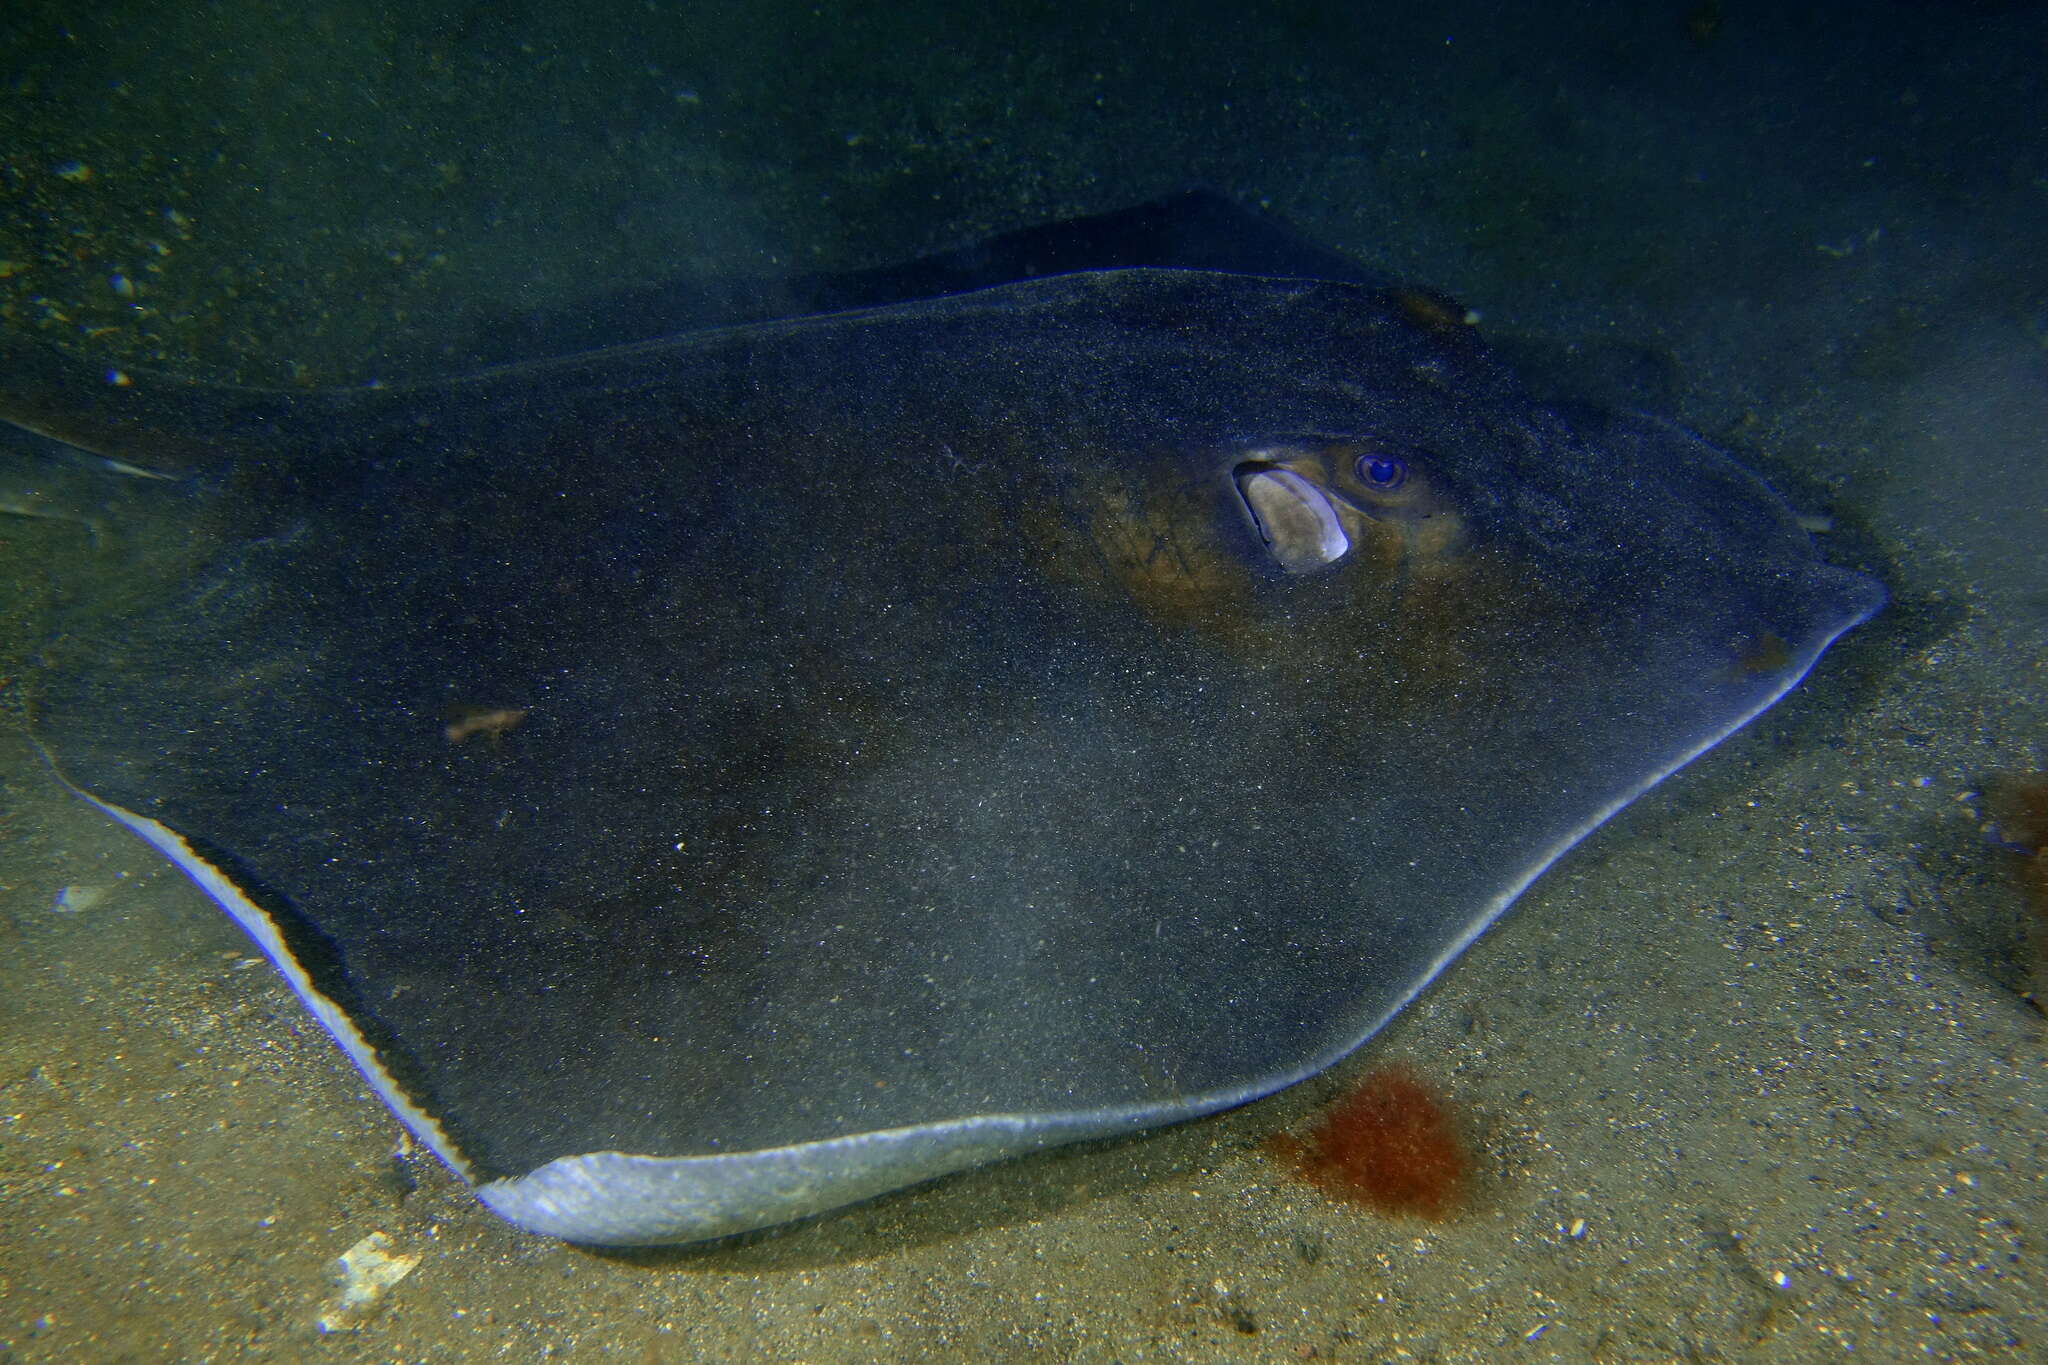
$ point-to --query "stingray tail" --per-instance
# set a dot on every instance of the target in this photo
(147, 421)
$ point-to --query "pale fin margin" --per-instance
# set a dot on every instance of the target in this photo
(259, 926)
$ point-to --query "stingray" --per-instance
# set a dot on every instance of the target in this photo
(1056, 689)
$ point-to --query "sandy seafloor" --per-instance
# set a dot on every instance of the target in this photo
(1765, 1035)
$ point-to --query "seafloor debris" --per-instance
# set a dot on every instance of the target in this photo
(494, 722)
(362, 1274)
(78, 898)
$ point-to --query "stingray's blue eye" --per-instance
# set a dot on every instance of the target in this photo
(1382, 472)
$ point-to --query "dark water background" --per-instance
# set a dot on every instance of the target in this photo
(1765, 1037)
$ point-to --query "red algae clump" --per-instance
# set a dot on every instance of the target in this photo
(1387, 1143)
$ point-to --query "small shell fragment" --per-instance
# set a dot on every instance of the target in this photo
(362, 1274)
(77, 898)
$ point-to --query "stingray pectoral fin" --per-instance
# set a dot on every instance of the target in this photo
(1294, 517)
(623, 1199)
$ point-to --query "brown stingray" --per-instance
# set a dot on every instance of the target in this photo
(896, 738)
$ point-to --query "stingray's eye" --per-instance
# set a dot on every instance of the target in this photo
(1382, 473)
